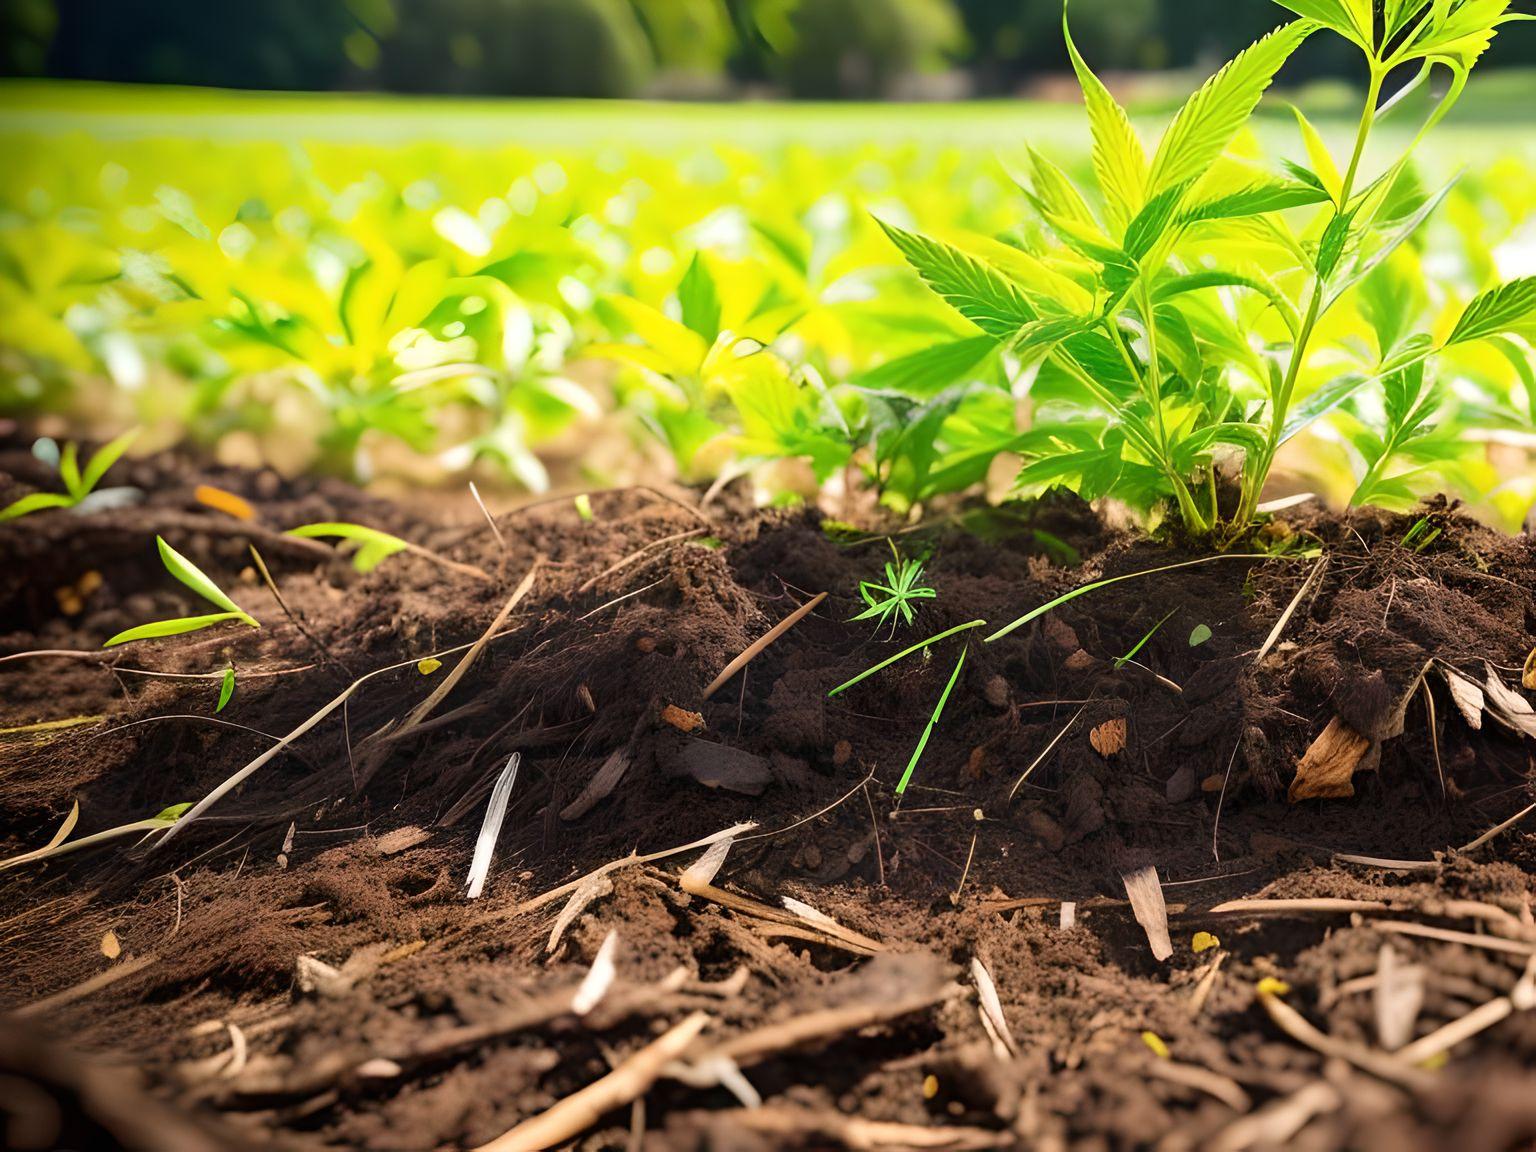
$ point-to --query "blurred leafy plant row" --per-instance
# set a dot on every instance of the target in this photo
(352, 308)
(820, 48)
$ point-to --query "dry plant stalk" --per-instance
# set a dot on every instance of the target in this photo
(757, 647)
(581, 1110)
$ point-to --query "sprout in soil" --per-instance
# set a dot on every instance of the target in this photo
(894, 600)
(371, 547)
(193, 577)
(78, 483)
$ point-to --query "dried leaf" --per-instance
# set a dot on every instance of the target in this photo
(490, 828)
(1467, 697)
(110, 946)
(1145, 892)
(992, 1009)
(1328, 768)
(1399, 995)
(1508, 707)
(1528, 677)
(682, 719)
(65, 828)
(1109, 737)
(591, 889)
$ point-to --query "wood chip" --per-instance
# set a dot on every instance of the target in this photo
(1327, 770)
(682, 719)
(110, 947)
(1146, 896)
(398, 840)
(1398, 996)
(1467, 697)
(1109, 737)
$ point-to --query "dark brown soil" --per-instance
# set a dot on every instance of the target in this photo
(210, 1031)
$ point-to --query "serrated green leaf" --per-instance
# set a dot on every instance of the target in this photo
(1119, 161)
(1255, 200)
(1332, 13)
(226, 689)
(177, 627)
(979, 292)
(932, 369)
(1496, 312)
(1216, 113)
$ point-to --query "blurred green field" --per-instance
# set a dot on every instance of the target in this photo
(432, 288)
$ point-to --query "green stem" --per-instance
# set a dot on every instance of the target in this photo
(1254, 482)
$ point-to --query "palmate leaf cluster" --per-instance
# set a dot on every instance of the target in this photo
(1178, 319)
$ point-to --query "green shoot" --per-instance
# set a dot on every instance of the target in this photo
(1122, 661)
(1036, 613)
(894, 599)
(584, 508)
(78, 483)
(938, 710)
(1420, 536)
(193, 577)
(371, 547)
(226, 689)
(1199, 635)
(58, 846)
(904, 653)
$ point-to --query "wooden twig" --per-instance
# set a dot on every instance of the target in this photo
(374, 749)
(1299, 1028)
(757, 647)
(80, 991)
(578, 1112)
(1285, 617)
(636, 555)
(798, 1124)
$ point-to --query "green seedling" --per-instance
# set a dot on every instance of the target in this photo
(371, 547)
(920, 646)
(78, 483)
(60, 845)
(894, 600)
(226, 689)
(1421, 535)
(1122, 661)
(1174, 319)
(192, 576)
(933, 720)
(583, 504)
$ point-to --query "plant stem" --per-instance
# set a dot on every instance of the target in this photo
(1254, 481)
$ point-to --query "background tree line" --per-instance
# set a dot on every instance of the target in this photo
(805, 48)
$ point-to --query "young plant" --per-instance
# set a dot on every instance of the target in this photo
(78, 483)
(1172, 323)
(192, 576)
(895, 600)
(371, 547)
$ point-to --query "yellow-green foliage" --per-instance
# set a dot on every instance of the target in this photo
(317, 282)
